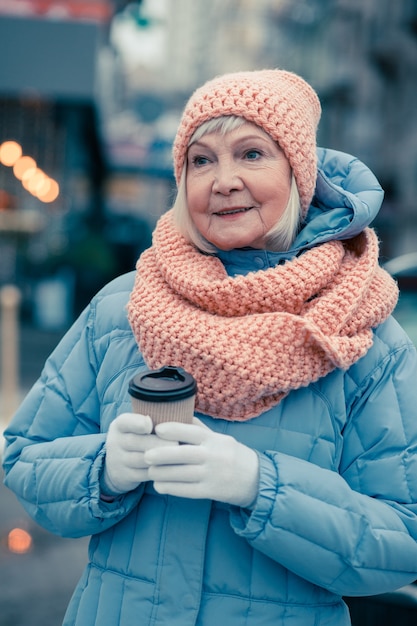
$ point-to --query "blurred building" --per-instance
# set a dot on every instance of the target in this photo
(92, 90)
(360, 55)
(57, 236)
(362, 59)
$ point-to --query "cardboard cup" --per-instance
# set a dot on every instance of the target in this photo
(166, 394)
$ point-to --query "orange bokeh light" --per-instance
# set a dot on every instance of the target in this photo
(27, 177)
(43, 188)
(10, 152)
(50, 194)
(25, 169)
(19, 541)
(36, 181)
(32, 179)
(22, 165)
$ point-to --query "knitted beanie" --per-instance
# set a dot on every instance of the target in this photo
(280, 102)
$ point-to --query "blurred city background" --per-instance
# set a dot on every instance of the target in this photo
(91, 92)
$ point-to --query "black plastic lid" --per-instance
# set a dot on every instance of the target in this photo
(166, 384)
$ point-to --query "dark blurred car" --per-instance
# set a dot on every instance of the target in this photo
(404, 269)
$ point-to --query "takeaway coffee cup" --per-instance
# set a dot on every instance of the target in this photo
(166, 394)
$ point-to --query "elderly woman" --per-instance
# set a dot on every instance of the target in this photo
(296, 484)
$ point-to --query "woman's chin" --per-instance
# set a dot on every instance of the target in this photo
(236, 244)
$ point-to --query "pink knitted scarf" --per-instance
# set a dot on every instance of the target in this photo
(249, 340)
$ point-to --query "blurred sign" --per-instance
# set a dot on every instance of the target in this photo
(96, 10)
(49, 58)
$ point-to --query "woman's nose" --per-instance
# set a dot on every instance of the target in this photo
(226, 179)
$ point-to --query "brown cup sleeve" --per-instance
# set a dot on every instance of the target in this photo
(179, 411)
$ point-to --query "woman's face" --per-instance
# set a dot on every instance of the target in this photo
(238, 186)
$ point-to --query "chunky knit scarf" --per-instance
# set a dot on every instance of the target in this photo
(249, 340)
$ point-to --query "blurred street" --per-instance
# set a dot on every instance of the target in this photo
(35, 586)
(38, 571)
(91, 95)
(35, 347)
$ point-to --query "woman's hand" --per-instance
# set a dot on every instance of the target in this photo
(206, 465)
(128, 439)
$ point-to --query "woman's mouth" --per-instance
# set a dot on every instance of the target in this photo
(233, 211)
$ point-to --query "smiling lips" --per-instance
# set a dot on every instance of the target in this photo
(233, 211)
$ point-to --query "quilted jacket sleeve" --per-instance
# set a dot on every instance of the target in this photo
(54, 448)
(353, 532)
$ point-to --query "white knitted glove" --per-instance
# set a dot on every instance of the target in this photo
(127, 440)
(207, 465)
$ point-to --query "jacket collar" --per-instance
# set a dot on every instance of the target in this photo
(347, 199)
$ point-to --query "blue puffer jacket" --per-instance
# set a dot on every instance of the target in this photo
(336, 512)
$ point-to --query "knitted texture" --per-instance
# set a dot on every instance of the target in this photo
(249, 340)
(280, 102)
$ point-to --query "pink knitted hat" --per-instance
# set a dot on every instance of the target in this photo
(280, 102)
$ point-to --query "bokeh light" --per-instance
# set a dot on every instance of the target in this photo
(19, 541)
(10, 152)
(25, 168)
(51, 194)
(43, 188)
(32, 178)
(22, 165)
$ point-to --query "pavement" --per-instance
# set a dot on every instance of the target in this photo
(35, 585)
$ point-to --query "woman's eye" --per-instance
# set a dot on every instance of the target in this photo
(198, 161)
(252, 155)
